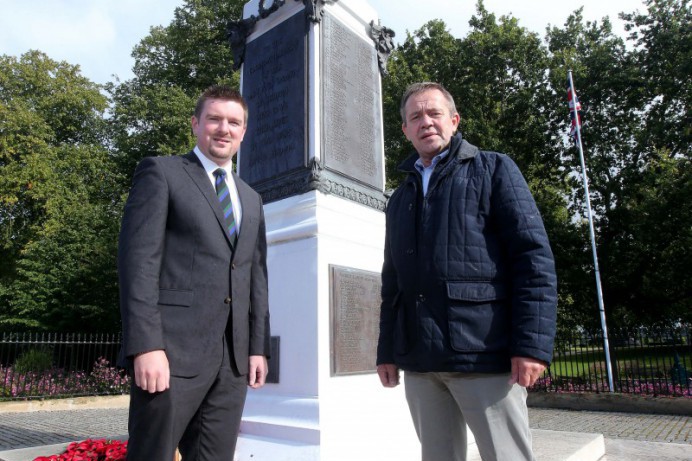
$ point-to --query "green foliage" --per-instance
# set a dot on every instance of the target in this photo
(663, 56)
(192, 52)
(58, 204)
(149, 121)
(636, 143)
(650, 243)
(34, 360)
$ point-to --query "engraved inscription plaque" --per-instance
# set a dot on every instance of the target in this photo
(274, 86)
(355, 316)
(351, 140)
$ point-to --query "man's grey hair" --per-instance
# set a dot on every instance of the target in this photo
(416, 88)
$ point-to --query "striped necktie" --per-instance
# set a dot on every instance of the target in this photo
(224, 196)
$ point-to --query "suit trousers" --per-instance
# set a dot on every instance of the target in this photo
(442, 404)
(200, 415)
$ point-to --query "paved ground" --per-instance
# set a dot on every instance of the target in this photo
(34, 428)
(628, 436)
(630, 426)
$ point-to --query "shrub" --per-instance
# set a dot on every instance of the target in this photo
(34, 360)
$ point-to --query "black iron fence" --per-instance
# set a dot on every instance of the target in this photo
(645, 361)
(50, 365)
(656, 362)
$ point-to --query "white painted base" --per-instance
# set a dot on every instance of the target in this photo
(311, 415)
(253, 448)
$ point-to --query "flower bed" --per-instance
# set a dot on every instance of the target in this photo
(55, 383)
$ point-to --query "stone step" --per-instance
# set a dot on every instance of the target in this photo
(560, 446)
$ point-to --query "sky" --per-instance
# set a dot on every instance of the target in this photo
(99, 35)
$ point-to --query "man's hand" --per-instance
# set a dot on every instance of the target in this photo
(258, 370)
(389, 374)
(525, 371)
(152, 372)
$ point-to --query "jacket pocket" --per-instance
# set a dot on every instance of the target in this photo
(169, 297)
(479, 316)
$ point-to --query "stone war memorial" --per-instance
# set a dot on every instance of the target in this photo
(311, 73)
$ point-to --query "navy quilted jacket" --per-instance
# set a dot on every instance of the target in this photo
(468, 279)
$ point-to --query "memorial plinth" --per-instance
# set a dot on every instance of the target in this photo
(314, 150)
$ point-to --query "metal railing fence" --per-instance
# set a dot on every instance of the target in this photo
(50, 365)
(645, 361)
(655, 362)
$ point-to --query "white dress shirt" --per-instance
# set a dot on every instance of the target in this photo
(210, 167)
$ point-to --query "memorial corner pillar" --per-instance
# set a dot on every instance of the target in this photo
(314, 149)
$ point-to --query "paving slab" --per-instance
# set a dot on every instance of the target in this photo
(615, 425)
(634, 450)
(560, 446)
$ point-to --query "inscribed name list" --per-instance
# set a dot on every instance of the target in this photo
(352, 121)
(274, 88)
(355, 312)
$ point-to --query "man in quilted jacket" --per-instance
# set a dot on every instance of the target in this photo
(469, 291)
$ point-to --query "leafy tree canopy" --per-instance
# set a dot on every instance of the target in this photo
(58, 204)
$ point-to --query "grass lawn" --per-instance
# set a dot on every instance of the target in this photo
(646, 361)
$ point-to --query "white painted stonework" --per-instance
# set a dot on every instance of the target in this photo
(309, 414)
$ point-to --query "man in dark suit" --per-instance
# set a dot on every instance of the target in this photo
(193, 292)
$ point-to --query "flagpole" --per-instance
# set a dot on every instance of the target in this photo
(599, 292)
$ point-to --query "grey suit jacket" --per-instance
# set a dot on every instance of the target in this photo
(182, 285)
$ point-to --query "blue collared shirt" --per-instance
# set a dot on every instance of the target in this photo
(426, 172)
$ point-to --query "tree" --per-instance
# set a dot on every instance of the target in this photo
(651, 225)
(605, 81)
(635, 104)
(58, 209)
(652, 245)
(663, 55)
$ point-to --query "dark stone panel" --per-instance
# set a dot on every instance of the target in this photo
(274, 85)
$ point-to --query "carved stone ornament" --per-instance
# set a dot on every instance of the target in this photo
(314, 9)
(237, 33)
(316, 177)
(315, 174)
(264, 12)
(382, 36)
